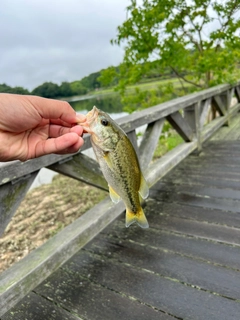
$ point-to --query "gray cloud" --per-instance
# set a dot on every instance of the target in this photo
(64, 40)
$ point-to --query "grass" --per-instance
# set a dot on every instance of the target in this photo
(167, 142)
(44, 212)
(142, 86)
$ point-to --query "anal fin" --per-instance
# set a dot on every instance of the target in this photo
(113, 195)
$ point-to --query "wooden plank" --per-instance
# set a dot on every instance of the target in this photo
(175, 298)
(15, 169)
(233, 134)
(203, 201)
(204, 109)
(217, 157)
(232, 100)
(11, 195)
(194, 163)
(228, 147)
(226, 99)
(237, 92)
(92, 301)
(171, 265)
(216, 124)
(230, 161)
(47, 258)
(219, 183)
(25, 275)
(198, 127)
(195, 189)
(36, 307)
(221, 155)
(220, 134)
(222, 144)
(83, 168)
(149, 142)
(219, 105)
(203, 160)
(223, 133)
(163, 165)
(213, 252)
(181, 126)
(133, 138)
(213, 232)
(207, 173)
(189, 114)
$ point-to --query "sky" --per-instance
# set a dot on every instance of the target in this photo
(61, 40)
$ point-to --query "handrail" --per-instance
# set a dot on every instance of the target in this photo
(188, 117)
(16, 169)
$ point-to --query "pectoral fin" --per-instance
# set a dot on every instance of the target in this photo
(108, 160)
(113, 195)
(138, 217)
(143, 190)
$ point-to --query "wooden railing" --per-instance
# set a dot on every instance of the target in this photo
(188, 115)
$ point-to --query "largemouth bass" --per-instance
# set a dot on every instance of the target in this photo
(119, 163)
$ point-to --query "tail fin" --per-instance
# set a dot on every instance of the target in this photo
(138, 217)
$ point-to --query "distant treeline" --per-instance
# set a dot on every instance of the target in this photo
(53, 90)
(78, 87)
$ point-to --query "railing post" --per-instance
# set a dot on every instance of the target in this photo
(226, 99)
(192, 115)
(198, 125)
(237, 92)
(189, 116)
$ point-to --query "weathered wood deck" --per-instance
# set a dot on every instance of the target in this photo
(185, 266)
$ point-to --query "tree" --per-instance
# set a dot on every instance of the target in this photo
(65, 89)
(197, 39)
(91, 81)
(77, 88)
(7, 89)
(47, 90)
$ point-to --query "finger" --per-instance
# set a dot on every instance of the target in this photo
(67, 143)
(60, 122)
(57, 131)
(73, 149)
(81, 118)
(53, 109)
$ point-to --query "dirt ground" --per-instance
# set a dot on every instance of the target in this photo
(45, 211)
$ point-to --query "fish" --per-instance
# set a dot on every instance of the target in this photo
(119, 164)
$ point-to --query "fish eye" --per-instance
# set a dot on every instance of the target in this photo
(104, 122)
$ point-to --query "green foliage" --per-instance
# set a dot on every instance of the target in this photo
(47, 90)
(197, 40)
(168, 141)
(109, 76)
(91, 82)
(77, 88)
(141, 99)
(65, 89)
(4, 88)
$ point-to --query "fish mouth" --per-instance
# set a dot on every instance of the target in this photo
(91, 116)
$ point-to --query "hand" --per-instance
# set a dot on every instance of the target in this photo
(31, 127)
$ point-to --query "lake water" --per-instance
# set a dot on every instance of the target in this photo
(108, 103)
